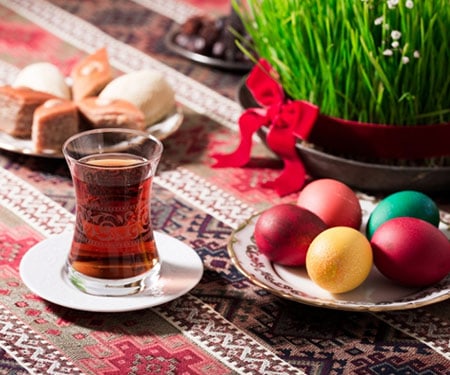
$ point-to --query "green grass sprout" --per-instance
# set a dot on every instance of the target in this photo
(378, 61)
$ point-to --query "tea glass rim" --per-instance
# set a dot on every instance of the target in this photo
(156, 155)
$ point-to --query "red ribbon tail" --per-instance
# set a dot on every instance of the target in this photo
(293, 175)
(291, 179)
(249, 122)
(287, 119)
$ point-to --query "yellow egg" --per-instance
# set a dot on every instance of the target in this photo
(339, 259)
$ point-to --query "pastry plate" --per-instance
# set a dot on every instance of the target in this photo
(160, 130)
(237, 66)
(41, 269)
(376, 293)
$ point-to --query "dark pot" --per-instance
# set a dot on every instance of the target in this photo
(361, 175)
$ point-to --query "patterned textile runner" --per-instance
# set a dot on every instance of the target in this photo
(198, 339)
(225, 325)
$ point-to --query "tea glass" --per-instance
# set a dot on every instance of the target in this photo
(113, 251)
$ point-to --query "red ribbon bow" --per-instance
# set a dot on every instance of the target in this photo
(287, 119)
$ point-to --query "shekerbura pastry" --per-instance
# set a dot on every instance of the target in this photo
(146, 89)
(45, 77)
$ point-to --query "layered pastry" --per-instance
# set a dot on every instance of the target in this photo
(17, 106)
(53, 122)
(45, 77)
(111, 113)
(146, 89)
(90, 75)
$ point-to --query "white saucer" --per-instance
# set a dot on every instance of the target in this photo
(41, 269)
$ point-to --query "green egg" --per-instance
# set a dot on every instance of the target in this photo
(407, 203)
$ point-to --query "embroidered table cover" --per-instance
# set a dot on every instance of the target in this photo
(226, 324)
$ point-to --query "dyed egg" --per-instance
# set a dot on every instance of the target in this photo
(411, 251)
(283, 233)
(333, 201)
(339, 259)
(407, 203)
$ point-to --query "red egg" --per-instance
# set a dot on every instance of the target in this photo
(333, 201)
(284, 232)
(411, 251)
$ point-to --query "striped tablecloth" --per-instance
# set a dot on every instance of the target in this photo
(226, 324)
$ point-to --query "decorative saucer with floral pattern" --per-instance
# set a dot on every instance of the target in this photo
(377, 293)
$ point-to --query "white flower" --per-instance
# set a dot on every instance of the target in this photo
(395, 44)
(405, 59)
(379, 20)
(409, 4)
(396, 35)
(392, 3)
(416, 54)
(388, 52)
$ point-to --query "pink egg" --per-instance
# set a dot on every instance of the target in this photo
(333, 201)
(411, 251)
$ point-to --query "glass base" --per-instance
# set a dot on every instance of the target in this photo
(112, 287)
